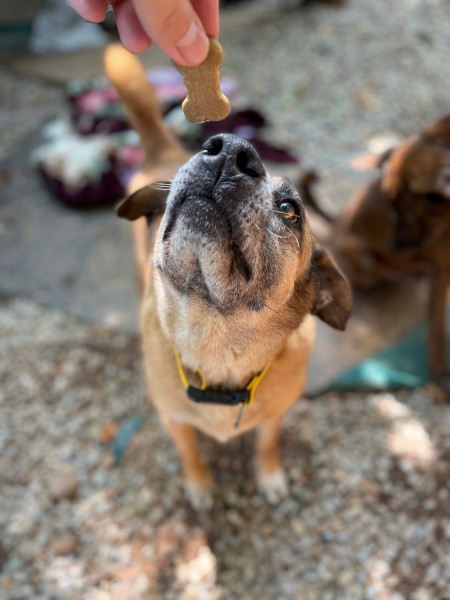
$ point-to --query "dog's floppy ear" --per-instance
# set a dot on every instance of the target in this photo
(333, 298)
(149, 200)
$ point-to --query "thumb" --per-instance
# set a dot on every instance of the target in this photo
(175, 27)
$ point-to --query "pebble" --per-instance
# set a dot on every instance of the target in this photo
(63, 486)
(298, 527)
(345, 578)
(66, 543)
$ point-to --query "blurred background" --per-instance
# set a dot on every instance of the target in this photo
(91, 504)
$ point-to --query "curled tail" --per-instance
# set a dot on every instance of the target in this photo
(164, 153)
(140, 101)
(305, 184)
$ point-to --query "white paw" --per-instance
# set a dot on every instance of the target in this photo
(274, 486)
(199, 495)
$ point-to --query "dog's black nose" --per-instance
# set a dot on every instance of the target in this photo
(233, 155)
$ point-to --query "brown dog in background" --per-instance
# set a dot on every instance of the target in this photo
(231, 276)
(399, 225)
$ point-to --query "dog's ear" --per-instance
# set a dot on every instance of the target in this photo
(149, 200)
(333, 298)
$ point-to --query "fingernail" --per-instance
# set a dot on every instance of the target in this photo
(194, 46)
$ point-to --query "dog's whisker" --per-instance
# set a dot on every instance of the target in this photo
(283, 317)
(272, 309)
(278, 212)
(162, 185)
(281, 237)
(296, 239)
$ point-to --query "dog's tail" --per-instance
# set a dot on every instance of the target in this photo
(305, 185)
(164, 153)
(140, 101)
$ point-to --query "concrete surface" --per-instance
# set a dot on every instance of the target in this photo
(80, 262)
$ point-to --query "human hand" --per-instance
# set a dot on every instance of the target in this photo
(180, 27)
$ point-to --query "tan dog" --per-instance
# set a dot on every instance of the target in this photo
(232, 277)
(399, 225)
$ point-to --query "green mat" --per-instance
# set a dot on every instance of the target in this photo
(402, 365)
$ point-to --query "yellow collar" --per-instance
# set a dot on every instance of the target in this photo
(203, 395)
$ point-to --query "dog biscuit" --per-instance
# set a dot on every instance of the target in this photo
(204, 98)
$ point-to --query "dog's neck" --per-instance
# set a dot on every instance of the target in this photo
(229, 350)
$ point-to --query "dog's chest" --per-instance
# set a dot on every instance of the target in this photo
(229, 351)
(218, 422)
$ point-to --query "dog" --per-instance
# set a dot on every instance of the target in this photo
(231, 279)
(399, 226)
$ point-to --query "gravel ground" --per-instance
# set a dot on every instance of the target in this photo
(368, 516)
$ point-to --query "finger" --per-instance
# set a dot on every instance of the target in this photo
(91, 10)
(208, 12)
(132, 35)
(175, 27)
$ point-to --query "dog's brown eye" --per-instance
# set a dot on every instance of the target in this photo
(289, 212)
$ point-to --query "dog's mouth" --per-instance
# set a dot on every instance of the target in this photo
(241, 263)
(177, 207)
(203, 214)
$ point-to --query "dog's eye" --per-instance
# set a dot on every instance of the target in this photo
(288, 211)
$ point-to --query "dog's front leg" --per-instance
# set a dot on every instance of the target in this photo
(271, 478)
(197, 478)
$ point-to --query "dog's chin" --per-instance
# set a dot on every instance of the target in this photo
(221, 287)
(198, 254)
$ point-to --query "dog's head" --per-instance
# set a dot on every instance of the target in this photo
(412, 193)
(416, 180)
(238, 239)
(419, 168)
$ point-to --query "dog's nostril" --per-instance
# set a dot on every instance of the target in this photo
(213, 146)
(247, 164)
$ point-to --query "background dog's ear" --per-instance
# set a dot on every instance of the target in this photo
(333, 298)
(368, 162)
(149, 200)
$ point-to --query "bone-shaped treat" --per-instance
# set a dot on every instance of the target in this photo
(204, 98)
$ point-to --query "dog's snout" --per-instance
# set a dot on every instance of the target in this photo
(233, 155)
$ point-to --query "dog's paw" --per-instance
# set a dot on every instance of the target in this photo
(274, 486)
(200, 495)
